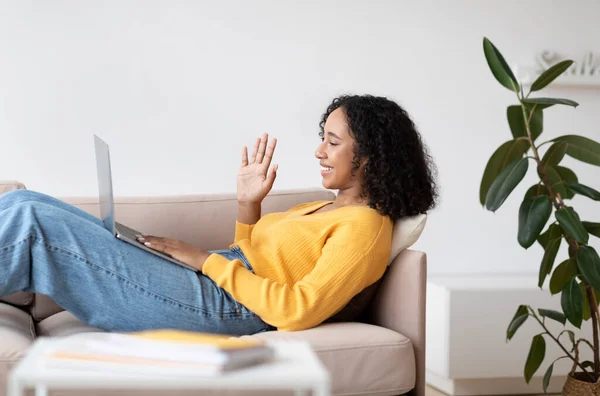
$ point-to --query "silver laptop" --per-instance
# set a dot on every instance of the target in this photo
(107, 205)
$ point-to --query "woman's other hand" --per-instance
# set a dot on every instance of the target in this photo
(179, 250)
(254, 179)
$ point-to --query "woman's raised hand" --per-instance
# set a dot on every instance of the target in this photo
(254, 179)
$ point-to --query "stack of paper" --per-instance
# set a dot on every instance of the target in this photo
(169, 352)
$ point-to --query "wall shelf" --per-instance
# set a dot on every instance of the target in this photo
(585, 73)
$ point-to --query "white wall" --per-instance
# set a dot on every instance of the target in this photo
(177, 87)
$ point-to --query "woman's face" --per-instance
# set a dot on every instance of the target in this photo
(336, 152)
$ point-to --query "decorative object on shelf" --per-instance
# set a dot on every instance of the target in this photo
(584, 73)
(577, 278)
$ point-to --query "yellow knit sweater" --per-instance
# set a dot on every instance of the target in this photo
(306, 266)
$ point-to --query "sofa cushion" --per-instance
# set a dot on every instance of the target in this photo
(63, 324)
(353, 353)
(406, 232)
(16, 332)
(16, 336)
(43, 307)
(20, 299)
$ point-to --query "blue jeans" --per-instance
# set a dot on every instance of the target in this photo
(50, 247)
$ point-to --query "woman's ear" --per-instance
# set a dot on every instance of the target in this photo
(363, 164)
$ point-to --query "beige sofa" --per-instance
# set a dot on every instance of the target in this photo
(385, 355)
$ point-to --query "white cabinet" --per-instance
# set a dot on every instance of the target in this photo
(467, 352)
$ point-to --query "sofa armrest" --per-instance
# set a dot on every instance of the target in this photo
(9, 185)
(400, 305)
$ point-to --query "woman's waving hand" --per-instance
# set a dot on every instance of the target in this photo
(254, 179)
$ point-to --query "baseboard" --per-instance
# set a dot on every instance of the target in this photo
(493, 386)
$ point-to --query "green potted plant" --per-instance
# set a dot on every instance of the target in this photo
(577, 278)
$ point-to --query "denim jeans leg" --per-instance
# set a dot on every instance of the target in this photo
(14, 197)
(105, 282)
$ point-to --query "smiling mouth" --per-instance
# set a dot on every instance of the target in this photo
(326, 169)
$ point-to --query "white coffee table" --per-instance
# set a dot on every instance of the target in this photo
(296, 367)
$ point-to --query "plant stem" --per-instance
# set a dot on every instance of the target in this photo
(575, 360)
(563, 332)
(586, 341)
(594, 309)
(536, 155)
(576, 351)
(541, 144)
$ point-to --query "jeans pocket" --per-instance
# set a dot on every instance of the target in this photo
(222, 252)
(237, 251)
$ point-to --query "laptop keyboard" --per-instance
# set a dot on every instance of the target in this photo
(126, 231)
(131, 233)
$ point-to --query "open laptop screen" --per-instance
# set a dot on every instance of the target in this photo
(107, 209)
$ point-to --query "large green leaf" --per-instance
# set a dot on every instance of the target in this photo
(505, 183)
(563, 273)
(571, 301)
(539, 106)
(566, 175)
(582, 148)
(499, 67)
(533, 216)
(551, 101)
(555, 153)
(514, 114)
(555, 315)
(536, 355)
(547, 376)
(570, 223)
(554, 231)
(592, 228)
(589, 264)
(518, 319)
(549, 75)
(505, 154)
(584, 190)
(536, 190)
(548, 260)
(555, 179)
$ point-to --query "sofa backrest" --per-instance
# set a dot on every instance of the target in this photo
(207, 221)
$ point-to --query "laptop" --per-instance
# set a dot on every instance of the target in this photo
(107, 205)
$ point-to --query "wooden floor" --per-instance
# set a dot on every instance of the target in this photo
(429, 391)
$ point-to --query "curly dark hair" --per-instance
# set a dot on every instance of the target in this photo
(399, 172)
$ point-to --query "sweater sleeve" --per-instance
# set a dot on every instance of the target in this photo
(242, 231)
(339, 274)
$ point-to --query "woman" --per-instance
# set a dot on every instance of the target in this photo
(289, 271)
